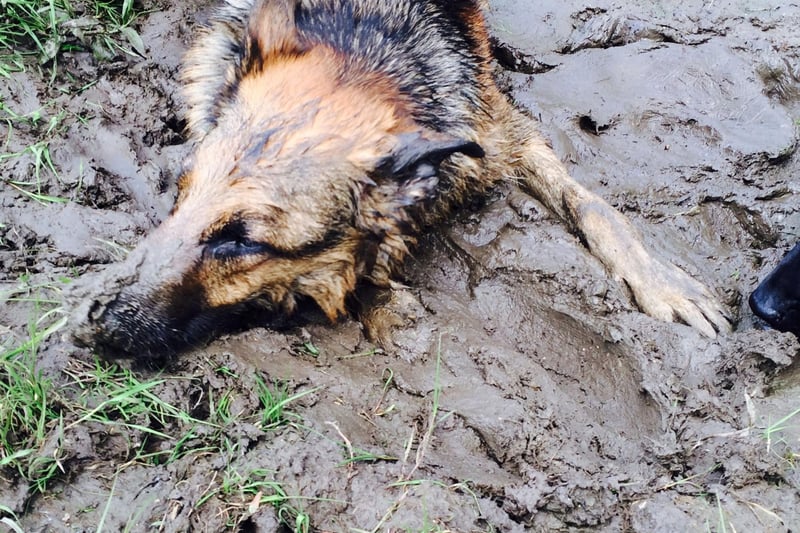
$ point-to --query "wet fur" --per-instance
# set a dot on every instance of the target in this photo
(328, 134)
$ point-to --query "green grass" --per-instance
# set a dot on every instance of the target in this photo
(242, 494)
(45, 28)
(36, 32)
(773, 433)
(113, 396)
(31, 423)
(43, 409)
(273, 403)
(407, 479)
(10, 520)
(28, 417)
(722, 520)
(38, 152)
(238, 492)
(37, 415)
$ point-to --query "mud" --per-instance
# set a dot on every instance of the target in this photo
(560, 406)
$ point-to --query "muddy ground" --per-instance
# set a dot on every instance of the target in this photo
(568, 409)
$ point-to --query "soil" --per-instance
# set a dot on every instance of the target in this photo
(561, 407)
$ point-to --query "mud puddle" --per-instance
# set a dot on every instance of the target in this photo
(560, 406)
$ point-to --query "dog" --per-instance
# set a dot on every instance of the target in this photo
(329, 134)
(776, 300)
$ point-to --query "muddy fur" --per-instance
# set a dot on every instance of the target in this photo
(328, 134)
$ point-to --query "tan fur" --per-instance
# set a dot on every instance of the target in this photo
(318, 162)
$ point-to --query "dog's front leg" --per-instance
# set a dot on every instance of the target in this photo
(661, 289)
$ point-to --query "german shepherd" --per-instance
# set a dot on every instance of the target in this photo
(328, 134)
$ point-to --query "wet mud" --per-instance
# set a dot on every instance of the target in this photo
(558, 405)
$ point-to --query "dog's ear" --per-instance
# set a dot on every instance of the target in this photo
(271, 30)
(406, 176)
(418, 155)
(412, 165)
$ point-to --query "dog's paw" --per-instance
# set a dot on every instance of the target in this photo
(392, 309)
(664, 291)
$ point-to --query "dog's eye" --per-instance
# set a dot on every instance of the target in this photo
(232, 249)
(232, 241)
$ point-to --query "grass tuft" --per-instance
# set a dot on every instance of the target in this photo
(31, 423)
(38, 153)
(242, 495)
(45, 28)
(774, 432)
(273, 403)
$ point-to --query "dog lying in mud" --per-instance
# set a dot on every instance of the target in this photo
(328, 134)
(776, 300)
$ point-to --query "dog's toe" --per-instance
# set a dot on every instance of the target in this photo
(666, 292)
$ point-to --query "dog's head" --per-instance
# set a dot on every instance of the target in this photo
(310, 178)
